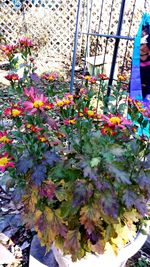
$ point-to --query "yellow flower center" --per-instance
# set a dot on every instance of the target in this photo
(108, 130)
(66, 101)
(15, 112)
(42, 139)
(73, 121)
(3, 161)
(28, 126)
(90, 113)
(38, 104)
(121, 78)
(115, 120)
(87, 77)
(4, 139)
(70, 96)
(14, 77)
(60, 103)
(51, 78)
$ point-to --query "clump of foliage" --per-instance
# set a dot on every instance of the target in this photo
(82, 172)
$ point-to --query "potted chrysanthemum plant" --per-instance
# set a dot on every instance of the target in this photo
(83, 175)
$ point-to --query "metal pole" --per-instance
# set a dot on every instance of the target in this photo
(109, 36)
(116, 47)
(75, 47)
(87, 49)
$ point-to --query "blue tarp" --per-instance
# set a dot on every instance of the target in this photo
(135, 82)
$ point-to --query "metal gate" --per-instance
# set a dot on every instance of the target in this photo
(108, 39)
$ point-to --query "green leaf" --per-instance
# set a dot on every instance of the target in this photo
(112, 98)
(116, 150)
(65, 209)
(61, 194)
(72, 174)
(108, 156)
(58, 171)
(94, 162)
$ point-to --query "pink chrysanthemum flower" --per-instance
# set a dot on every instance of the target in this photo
(5, 162)
(70, 121)
(116, 120)
(38, 102)
(25, 41)
(92, 80)
(52, 76)
(30, 92)
(68, 96)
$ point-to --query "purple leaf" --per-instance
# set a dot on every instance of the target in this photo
(39, 174)
(51, 158)
(88, 171)
(94, 237)
(81, 194)
(34, 77)
(144, 182)
(17, 194)
(141, 206)
(24, 164)
(110, 205)
(129, 198)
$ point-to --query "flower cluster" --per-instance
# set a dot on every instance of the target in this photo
(80, 162)
(52, 76)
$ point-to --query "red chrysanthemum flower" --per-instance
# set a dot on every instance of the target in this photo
(106, 130)
(5, 162)
(14, 111)
(103, 76)
(33, 128)
(12, 77)
(49, 106)
(8, 50)
(4, 139)
(42, 138)
(90, 113)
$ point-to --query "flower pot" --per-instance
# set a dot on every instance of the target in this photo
(107, 259)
